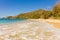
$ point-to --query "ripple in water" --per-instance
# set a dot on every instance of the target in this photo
(8, 21)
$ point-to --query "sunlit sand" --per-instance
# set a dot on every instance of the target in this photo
(54, 22)
(33, 29)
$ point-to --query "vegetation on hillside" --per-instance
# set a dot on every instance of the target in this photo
(44, 14)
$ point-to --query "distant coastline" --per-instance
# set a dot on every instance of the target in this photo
(40, 14)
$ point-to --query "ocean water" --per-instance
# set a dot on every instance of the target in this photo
(9, 21)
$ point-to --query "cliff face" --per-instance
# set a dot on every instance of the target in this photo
(45, 14)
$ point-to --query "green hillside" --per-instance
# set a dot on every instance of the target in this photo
(44, 14)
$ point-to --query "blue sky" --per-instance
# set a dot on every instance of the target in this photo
(14, 7)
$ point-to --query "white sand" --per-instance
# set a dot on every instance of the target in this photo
(33, 29)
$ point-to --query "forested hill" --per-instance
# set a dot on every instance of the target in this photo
(37, 14)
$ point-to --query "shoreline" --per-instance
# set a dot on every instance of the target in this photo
(31, 29)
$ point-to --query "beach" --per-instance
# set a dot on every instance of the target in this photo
(54, 22)
(30, 29)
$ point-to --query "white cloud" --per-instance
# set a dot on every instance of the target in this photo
(47, 8)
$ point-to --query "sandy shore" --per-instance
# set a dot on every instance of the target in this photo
(54, 22)
(32, 29)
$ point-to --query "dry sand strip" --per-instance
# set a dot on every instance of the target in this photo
(54, 22)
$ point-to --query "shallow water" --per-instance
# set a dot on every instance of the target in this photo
(9, 21)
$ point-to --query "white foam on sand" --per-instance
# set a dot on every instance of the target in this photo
(29, 30)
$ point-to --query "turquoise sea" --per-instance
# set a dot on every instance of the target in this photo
(7, 21)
